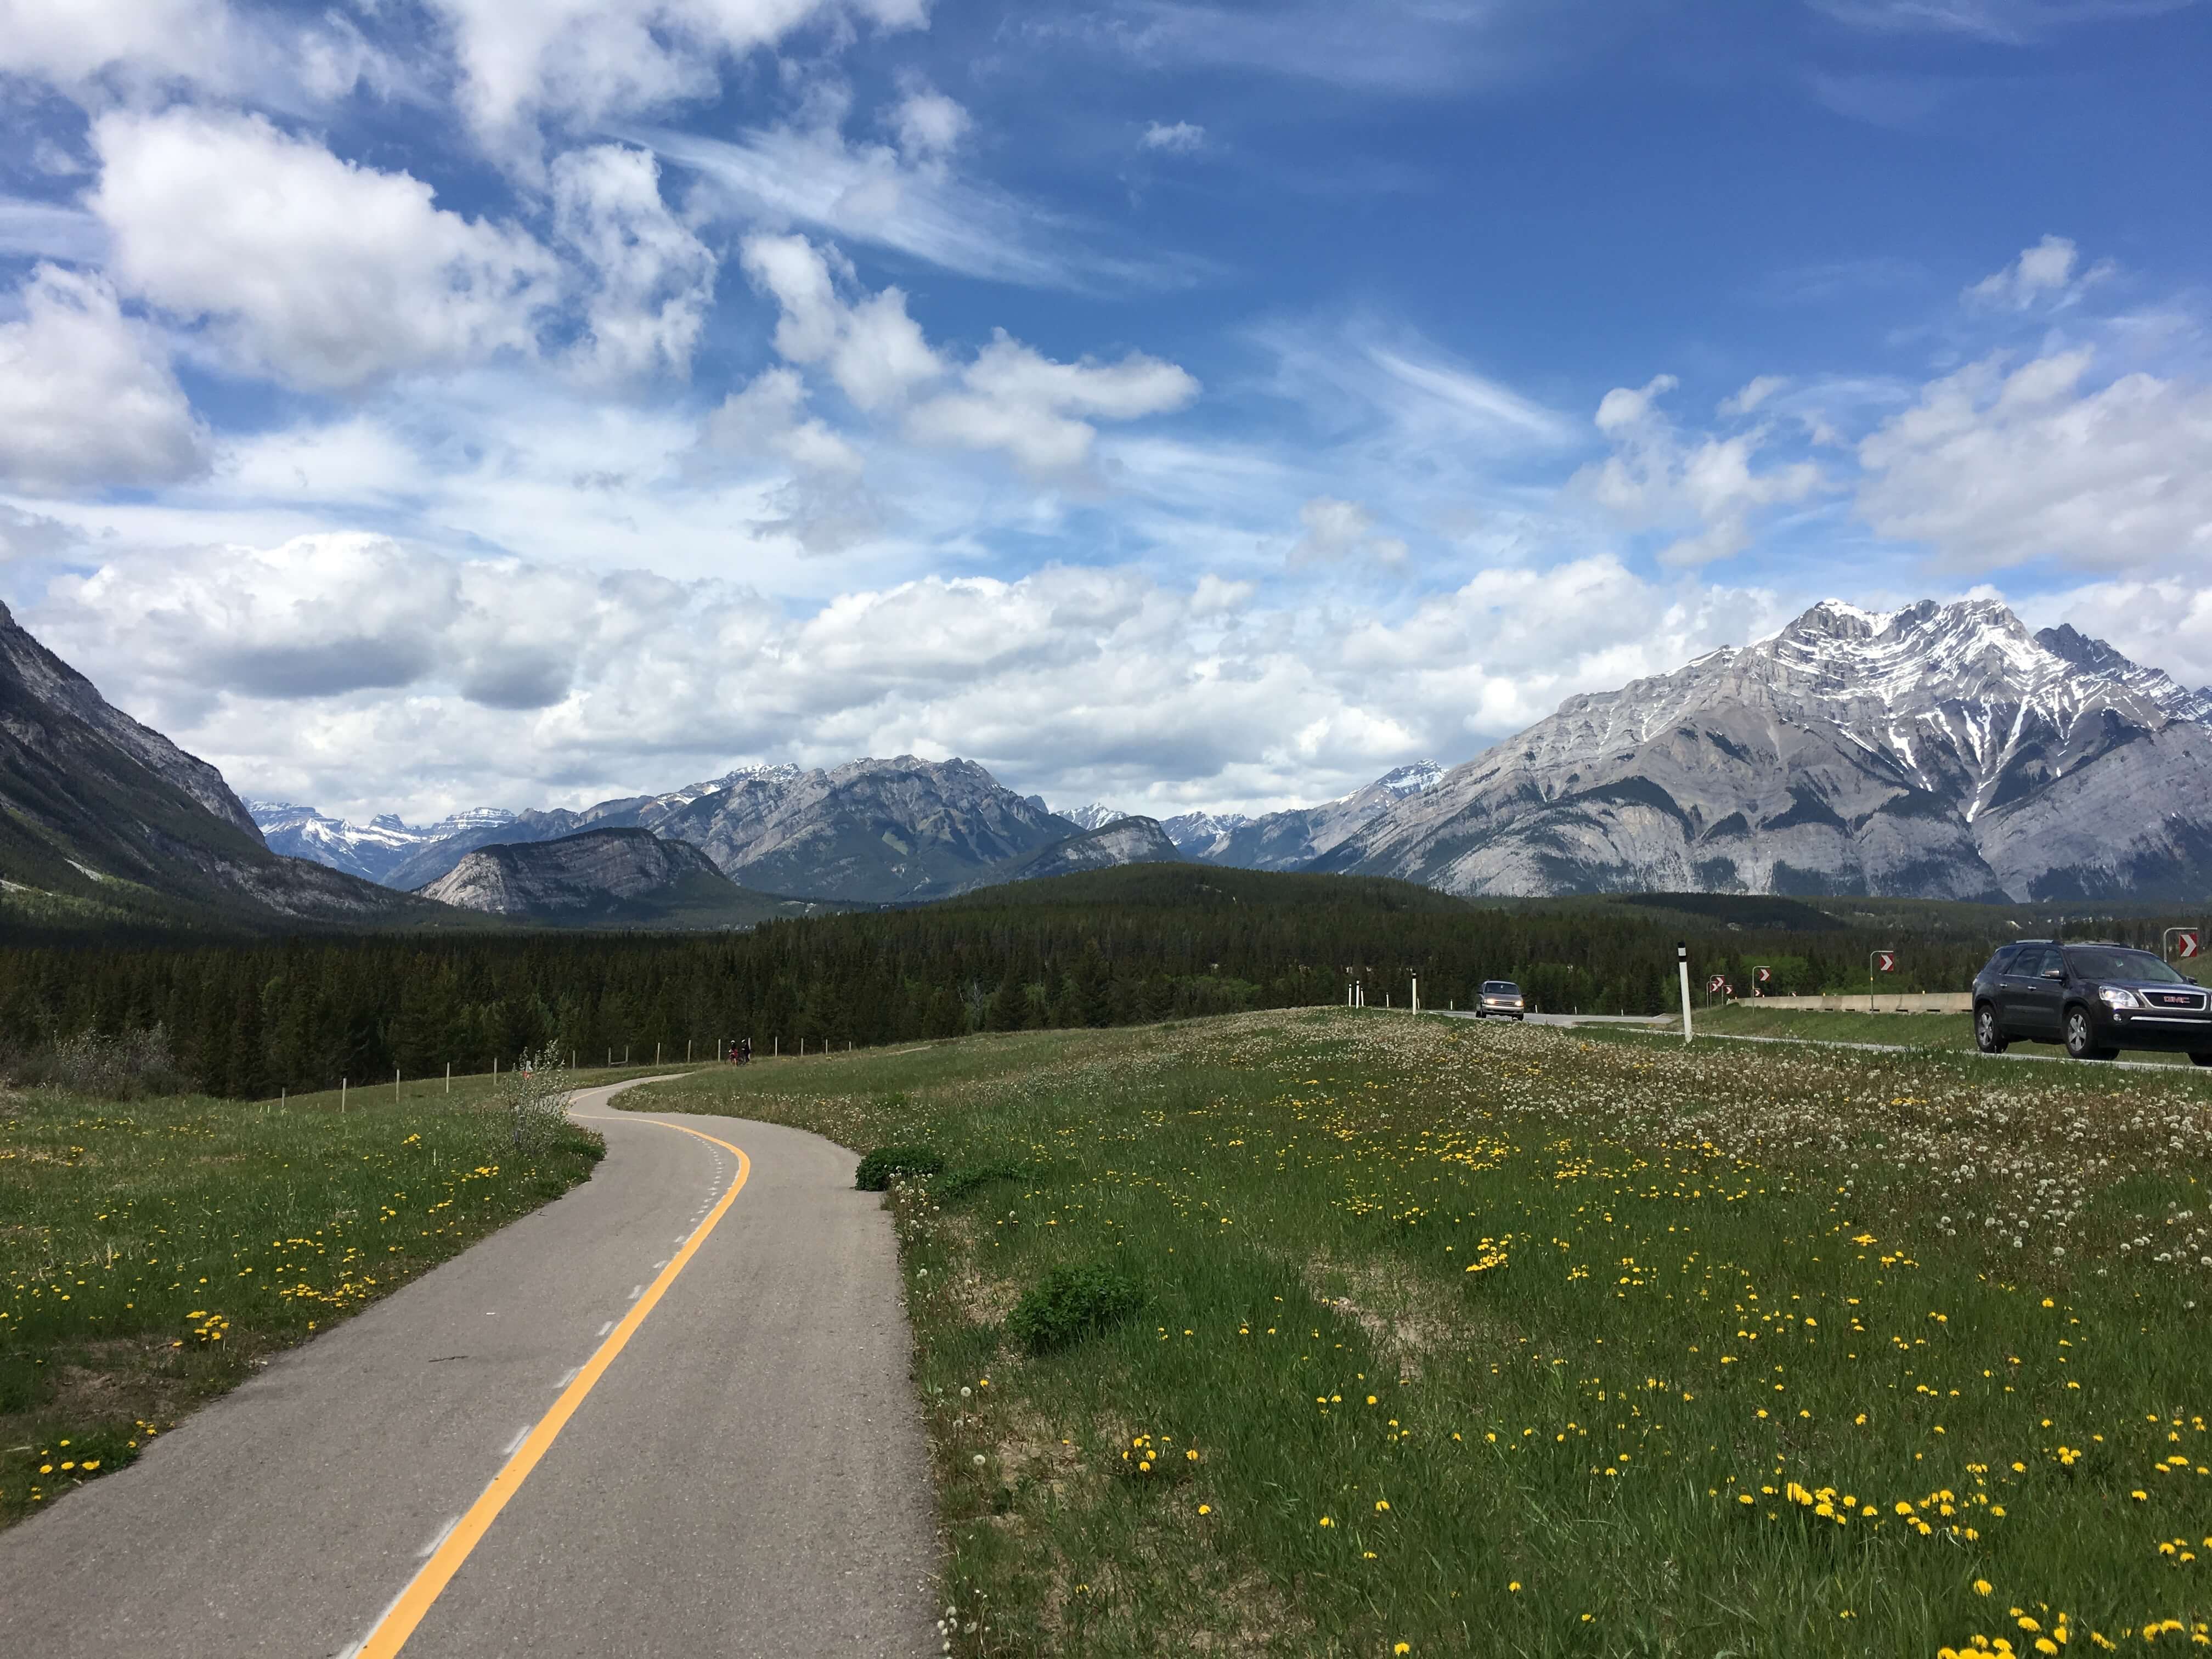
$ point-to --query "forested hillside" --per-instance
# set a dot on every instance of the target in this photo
(1111, 947)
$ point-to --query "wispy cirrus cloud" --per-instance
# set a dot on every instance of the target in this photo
(54, 229)
(874, 195)
(2011, 23)
(1425, 47)
(1364, 372)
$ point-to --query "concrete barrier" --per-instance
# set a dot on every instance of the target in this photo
(1892, 1002)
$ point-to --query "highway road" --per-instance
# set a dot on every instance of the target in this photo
(667, 1414)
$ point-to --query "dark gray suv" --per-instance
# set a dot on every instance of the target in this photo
(2096, 999)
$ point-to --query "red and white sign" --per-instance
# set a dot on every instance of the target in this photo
(2187, 942)
(1716, 982)
(1884, 962)
(1762, 974)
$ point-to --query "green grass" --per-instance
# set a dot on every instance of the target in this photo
(1484, 1336)
(1951, 1031)
(153, 1253)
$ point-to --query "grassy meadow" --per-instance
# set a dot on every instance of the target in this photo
(1949, 1031)
(153, 1253)
(1465, 1338)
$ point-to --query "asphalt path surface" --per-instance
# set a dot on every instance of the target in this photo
(743, 1474)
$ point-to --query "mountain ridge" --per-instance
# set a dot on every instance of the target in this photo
(1940, 751)
(606, 877)
(104, 819)
(1935, 751)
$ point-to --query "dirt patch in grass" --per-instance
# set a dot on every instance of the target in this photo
(1408, 1317)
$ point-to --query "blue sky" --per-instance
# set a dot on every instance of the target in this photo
(421, 404)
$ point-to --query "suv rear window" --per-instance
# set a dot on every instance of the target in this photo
(2002, 962)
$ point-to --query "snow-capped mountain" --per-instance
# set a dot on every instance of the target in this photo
(1195, 833)
(2096, 658)
(1096, 816)
(1938, 750)
(1413, 780)
(1294, 839)
(371, 850)
(870, 829)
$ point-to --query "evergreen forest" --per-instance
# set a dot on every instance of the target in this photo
(245, 1018)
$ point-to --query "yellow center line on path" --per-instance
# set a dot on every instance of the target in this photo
(414, 1601)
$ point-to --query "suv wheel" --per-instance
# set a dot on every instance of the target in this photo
(2079, 1043)
(1989, 1035)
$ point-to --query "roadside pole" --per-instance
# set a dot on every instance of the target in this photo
(1682, 969)
(1415, 1005)
(1878, 962)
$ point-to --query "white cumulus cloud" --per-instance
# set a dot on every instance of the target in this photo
(870, 347)
(651, 278)
(929, 125)
(96, 49)
(1013, 398)
(1333, 530)
(307, 268)
(584, 61)
(88, 399)
(1175, 137)
(1994, 466)
(366, 673)
(1708, 489)
(2043, 276)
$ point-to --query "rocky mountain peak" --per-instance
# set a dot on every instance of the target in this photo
(1097, 815)
(1411, 778)
(1939, 749)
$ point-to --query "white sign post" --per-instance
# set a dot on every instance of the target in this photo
(1417, 994)
(1682, 967)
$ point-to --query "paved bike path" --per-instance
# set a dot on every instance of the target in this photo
(746, 1476)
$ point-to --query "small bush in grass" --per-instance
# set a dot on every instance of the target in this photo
(1069, 1304)
(970, 1176)
(878, 1168)
(125, 1065)
(534, 1099)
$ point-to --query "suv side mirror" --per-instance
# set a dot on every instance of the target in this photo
(2054, 973)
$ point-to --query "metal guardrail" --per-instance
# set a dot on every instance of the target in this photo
(1898, 1002)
